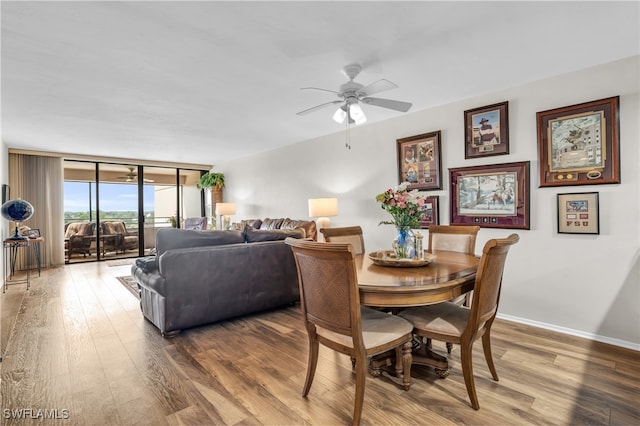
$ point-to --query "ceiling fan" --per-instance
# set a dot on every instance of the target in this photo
(132, 176)
(351, 94)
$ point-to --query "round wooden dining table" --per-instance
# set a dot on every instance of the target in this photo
(449, 275)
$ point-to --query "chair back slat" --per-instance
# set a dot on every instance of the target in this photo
(347, 235)
(458, 238)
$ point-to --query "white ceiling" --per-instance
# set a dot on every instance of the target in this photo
(204, 82)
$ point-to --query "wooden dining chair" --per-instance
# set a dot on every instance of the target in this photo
(450, 322)
(347, 234)
(460, 238)
(333, 316)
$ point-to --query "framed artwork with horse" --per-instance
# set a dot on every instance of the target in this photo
(491, 196)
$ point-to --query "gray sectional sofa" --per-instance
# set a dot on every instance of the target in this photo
(201, 277)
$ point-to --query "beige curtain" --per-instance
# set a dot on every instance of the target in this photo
(40, 181)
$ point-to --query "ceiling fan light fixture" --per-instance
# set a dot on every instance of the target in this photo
(340, 115)
(355, 111)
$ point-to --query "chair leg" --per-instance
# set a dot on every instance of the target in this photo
(449, 347)
(486, 346)
(467, 372)
(311, 366)
(361, 377)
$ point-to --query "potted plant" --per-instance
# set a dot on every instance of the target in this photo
(211, 180)
(214, 182)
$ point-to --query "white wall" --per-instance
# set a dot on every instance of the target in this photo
(587, 285)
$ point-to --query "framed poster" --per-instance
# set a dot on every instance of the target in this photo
(580, 144)
(431, 212)
(486, 131)
(419, 161)
(579, 213)
(492, 196)
(6, 193)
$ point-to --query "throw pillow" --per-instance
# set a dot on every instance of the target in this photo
(271, 223)
(259, 235)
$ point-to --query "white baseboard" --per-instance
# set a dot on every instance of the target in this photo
(564, 330)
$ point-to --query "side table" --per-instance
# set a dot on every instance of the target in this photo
(10, 249)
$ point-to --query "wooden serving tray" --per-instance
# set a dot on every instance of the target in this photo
(388, 258)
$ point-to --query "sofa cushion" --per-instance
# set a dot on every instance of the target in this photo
(113, 228)
(268, 224)
(254, 223)
(259, 235)
(79, 228)
(173, 238)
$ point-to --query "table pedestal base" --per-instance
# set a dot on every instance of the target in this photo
(422, 355)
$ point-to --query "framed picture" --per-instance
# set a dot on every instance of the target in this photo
(578, 213)
(492, 196)
(580, 144)
(486, 131)
(419, 161)
(33, 233)
(6, 193)
(431, 212)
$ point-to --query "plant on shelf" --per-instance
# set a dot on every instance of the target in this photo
(211, 180)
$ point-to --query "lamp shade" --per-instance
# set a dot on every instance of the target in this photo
(225, 209)
(323, 207)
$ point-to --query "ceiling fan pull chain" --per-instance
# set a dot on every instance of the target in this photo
(348, 142)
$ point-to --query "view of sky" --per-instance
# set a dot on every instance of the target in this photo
(113, 197)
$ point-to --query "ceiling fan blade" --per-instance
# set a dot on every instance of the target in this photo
(388, 103)
(377, 87)
(317, 88)
(317, 107)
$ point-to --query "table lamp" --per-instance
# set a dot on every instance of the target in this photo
(322, 208)
(224, 211)
(17, 211)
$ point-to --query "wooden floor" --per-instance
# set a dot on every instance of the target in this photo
(77, 347)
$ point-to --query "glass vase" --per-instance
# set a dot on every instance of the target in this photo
(403, 244)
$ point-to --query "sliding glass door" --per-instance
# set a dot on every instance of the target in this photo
(121, 207)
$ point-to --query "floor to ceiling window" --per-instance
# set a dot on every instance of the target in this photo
(115, 210)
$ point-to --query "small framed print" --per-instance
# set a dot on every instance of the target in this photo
(491, 196)
(419, 161)
(578, 213)
(579, 144)
(431, 212)
(33, 233)
(486, 131)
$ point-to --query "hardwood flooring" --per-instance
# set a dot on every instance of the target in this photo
(76, 347)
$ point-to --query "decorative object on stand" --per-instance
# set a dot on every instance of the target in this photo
(17, 211)
(491, 196)
(351, 94)
(580, 144)
(419, 161)
(578, 213)
(407, 208)
(224, 211)
(486, 131)
(323, 208)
